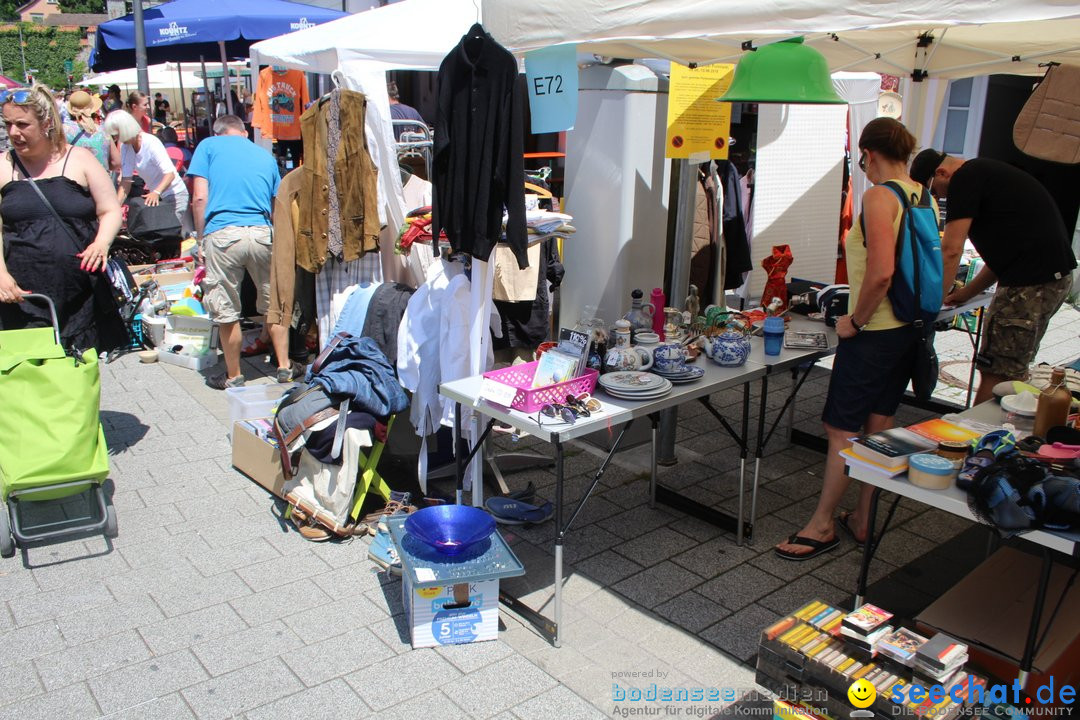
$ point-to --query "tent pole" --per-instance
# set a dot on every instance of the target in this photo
(140, 48)
(209, 102)
(183, 102)
(227, 86)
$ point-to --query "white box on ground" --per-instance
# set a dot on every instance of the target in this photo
(437, 618)
(254, 401)
(196, 334)
(191, 362)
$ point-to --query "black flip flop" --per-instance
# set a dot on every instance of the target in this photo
(528, 493)
(818, 547)
(842, 523)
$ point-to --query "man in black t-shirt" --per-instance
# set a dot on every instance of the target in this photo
(1017, 228)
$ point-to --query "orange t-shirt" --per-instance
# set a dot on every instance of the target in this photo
(279, 102)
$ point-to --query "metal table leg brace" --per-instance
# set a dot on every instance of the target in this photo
(548, 627)
(671, 498)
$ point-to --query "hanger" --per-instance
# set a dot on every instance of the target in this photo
(476, 4)
(536, 189)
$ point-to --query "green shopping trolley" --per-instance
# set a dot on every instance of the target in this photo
(52, 445)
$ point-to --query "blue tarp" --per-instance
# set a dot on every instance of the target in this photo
(184, 30)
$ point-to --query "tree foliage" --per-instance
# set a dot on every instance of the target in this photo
(7, 10)
(46, 49)
(83, 6)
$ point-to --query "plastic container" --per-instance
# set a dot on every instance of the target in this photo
(254, 401)
(773, 329)
(529, 399)
(931, 472)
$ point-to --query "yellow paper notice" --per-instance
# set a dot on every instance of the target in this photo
(697, 125)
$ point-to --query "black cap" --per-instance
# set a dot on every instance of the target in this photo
(924, 165)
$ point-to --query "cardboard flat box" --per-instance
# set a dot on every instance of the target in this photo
(990, 609)
(257, 459)
(164, 274)
(435, 618)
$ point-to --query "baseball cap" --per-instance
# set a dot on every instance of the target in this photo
(924, 165)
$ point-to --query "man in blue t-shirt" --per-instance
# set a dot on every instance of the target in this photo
(235, 181)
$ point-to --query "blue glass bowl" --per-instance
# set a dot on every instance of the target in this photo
(450, 529)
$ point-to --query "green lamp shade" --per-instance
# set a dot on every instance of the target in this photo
(783, 72)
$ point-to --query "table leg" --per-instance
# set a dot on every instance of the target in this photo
(655, 420)
(459, 469)
(1036, 618)
(759, 452)
(560, 533)
(868, 550)
(974, 355)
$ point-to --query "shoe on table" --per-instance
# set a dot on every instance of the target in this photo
(224, 382)
(376, 521)
(288, 374)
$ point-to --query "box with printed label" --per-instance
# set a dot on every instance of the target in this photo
(451, 614)
(197, 334)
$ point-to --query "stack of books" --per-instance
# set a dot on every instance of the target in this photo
(888, 451)
(940, 657)
(865, 627)
(901, 645)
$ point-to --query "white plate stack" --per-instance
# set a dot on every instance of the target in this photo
(635, 385)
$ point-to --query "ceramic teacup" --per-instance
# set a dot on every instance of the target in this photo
(670, 358)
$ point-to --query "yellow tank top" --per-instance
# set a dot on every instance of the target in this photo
(883, 317)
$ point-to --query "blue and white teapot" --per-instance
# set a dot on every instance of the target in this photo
(730, 348)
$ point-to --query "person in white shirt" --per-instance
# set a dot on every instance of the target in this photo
(142, 153)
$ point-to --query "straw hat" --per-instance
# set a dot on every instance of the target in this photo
(81, 103)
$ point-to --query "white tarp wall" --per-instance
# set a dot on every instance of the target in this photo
(797, 203)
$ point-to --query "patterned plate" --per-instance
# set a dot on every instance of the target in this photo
(631, 381)
(690, 373)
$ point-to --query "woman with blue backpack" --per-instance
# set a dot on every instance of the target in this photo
(878, 344)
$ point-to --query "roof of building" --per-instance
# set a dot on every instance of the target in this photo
(80, 19)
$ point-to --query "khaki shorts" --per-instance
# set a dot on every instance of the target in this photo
(1016, 322)
(229, 252)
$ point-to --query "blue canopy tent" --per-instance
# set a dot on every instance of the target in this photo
(191, 30)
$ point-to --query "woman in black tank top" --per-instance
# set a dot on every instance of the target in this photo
(61, 255)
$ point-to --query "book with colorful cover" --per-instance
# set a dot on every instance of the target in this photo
(901, 645)
(555, 367)
(891, 447)
(851, 458)
(866, 619)
(940, 430)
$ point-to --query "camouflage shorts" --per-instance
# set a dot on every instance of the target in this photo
(1016, 321)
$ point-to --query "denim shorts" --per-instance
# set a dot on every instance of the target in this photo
(870, 373)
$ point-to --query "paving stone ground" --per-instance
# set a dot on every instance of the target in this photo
(208, 606)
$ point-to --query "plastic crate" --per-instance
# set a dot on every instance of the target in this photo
(529, 399)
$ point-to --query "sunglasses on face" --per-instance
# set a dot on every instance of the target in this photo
(862, 161)
(20, 96)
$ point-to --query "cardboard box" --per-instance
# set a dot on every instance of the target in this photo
(436, 618)
(165, 274)
(990, 609)
(257, 459)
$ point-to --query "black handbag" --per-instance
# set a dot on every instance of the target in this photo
(924, 368)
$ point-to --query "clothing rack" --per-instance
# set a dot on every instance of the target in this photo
(414, 141)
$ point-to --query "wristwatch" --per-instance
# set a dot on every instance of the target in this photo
(857, 326)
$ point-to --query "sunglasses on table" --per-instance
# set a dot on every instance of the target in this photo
(20, 96)
(570, 410)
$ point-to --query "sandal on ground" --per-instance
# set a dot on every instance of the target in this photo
(842, 523)
(224, 382)
(516, 512)
(259, 347)
(817, 547)
(288, 374)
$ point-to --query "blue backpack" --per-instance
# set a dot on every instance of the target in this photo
(917, 284)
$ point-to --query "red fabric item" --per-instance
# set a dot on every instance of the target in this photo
(776, 267)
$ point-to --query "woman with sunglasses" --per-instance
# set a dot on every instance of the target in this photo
(61, 255)
(874, 358)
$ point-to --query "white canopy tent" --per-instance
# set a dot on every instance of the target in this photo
(409, 35)
(941, 38)
(162, 77)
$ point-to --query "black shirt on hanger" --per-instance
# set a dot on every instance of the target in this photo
(479, 143)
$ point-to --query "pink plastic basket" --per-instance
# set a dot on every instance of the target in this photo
(529, 399)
